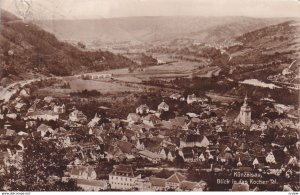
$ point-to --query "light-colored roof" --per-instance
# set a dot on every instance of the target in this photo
(44, 127)
(94, 183)
(176, 178)
(149, 154)
(159, 182)
(189, 185)
(163, 104)
(46, 112)
(133, 116)
(78, 170)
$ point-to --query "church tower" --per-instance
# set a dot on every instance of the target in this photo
(245, 113)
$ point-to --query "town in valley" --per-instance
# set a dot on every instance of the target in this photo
(209, 107)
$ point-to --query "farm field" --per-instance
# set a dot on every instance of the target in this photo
(165, 71)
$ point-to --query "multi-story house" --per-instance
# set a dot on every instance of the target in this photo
(123, 178)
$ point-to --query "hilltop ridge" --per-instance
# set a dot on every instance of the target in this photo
(27, 50)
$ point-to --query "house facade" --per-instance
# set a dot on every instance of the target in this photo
(194, 140)
(123, 178)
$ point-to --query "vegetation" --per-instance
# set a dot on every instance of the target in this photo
(86, 93)
(41, 162)
(25, 46)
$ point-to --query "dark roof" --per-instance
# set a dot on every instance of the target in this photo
(261, 159)
(123, 170)
(193, 138)
(187, 150)
(279, 141)
(125, 147)
(152, 118)
(129, 133)
(3, 155)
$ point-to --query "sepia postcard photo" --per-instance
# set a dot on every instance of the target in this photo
(149, 96)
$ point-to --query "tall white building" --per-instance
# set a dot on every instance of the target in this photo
(123, 178)
(245, 113)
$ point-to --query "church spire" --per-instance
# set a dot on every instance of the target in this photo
(246, 99)
(245, 113)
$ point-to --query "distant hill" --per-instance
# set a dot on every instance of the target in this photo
(26, 49)
(278, 42)
(156, 28)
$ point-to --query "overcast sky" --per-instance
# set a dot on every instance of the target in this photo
(87, 9)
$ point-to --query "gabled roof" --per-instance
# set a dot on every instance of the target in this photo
(152, 117)
(243, 146)
(36, 134)
(79, 170)
(112, 149)
(176, 178)
(44, 128)
(129, 133)
(123, 170)
(17, 140)
(133, 116)
(179, 121)
(191, 96)
(166, 124)
(159, 182)
(261, 159)
(143, 107)
(175, 95)
(150, 154)
(163, 104)
(125, 147)
(137, 128)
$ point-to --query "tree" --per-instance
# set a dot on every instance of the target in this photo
(147, 60)
(41, 160)
(71, 185)
(81, 45)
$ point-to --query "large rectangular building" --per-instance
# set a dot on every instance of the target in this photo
(123, 178)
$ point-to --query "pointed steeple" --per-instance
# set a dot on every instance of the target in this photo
(246, 99)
